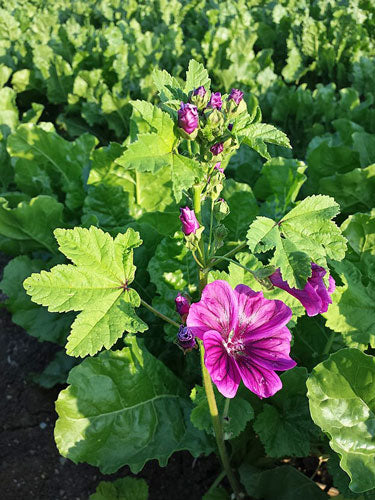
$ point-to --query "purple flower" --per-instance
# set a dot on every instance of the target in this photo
(215, 101)
(216, 149)
(236, 95)
(314, 297)
(189, 221)
(244, 337)
(218, 167)
(186, 338)
(230, 127)
(182, 304)
(201, 91)
(188, 117)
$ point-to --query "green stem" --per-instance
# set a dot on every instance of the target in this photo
(211, 224)
(217, 481)
(197, 209)
(237, 264)
(228, 254)
(329, 343)
(137, 188)
(189, 148)
(217, 426)
(157, 313)
(226, 408)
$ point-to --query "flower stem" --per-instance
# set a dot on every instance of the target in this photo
(161, 315)
(211, 224)
(228, 254)
(197, 209)
(189, 148)
(217, 427)
(237, 263)
(329, 343)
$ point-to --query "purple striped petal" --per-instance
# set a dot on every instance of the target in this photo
(262, 382)
(259, 317)
(217, 310)
(221, 367)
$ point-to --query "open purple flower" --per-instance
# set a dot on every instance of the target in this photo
(315, 297)
(215, 101)
(185, 338)
(216, 149)
(189, 221)
(201, 91)
(244, 337)
(236, 95)
(188, 117)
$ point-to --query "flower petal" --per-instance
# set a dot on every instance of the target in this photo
(262, 382)
(258, 316)
(220, 365)
(217, 310)
(271, 352)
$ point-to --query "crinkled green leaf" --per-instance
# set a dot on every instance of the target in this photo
(125, 408)
(56, 372)
(341, 395)
(36, 320)
(258, 134)
(352, 313)
(48, 152)
(284, 483)
(125, 488)
(167, 85)
(284, 425)
(29, 226)
(243, 208)
(262, 235)
(239, 413)
(97, 285)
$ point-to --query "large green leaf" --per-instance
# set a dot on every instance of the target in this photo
(125, 488)
(97, 285)
(341, 394)
(36, 320)
(284, 425)
(47, 154)
(29, 226)
(284, 483)
(258, 134)
(125, 408)
(243, 208)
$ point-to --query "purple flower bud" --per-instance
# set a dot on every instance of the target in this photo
(188, 117)
(186, 338)
(189, 221)
(182, 305)
(217, 148)
(201, 91)
(217, 167)
(215, 101)
(236, 95)
(230, 126)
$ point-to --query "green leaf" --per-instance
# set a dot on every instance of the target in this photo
(125, 408)
(196, 76)
(168, 86)
(353, 190)
(295, 265)
(218, 493)
(240, 412)
(172, 270)
(125, 488)
(8, 111)
(280, 182)
(30, 225)
(243, 208)
(262, 235)
(47, 153)
(147, 118)
(284, 425)
(45, 326)
(359, 229)
(56, 372)
(341, 394)
(352, 313)
(284, 483)
(97, 285)
(365, 145)
(258, 134)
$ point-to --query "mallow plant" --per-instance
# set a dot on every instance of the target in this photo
(229, 286)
